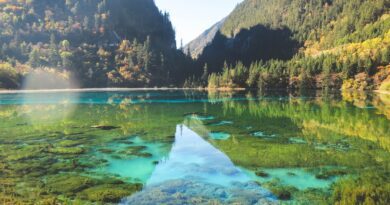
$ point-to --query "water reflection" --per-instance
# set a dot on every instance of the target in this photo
(305, 149)
(195, 170)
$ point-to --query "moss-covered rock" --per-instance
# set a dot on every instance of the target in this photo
(104, 127)
(145, 155)
(261, 173)
(109, 193)
(66, 150)
(138, 151)
(284, 192)
(106, 151)
(24, 152)
(68, 143)
(69, 184)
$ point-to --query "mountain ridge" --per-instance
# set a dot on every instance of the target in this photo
(196, 46)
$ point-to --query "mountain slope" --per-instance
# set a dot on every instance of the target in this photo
(102, 43)
(330, 41)
(196, 46)
(332, 20)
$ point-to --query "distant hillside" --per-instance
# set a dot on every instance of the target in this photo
(196, 46)
(330, 22)
(326, 43)
(100, 42)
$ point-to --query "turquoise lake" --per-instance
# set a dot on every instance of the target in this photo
(192, 147)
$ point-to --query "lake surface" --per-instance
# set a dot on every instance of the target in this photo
(191, 147)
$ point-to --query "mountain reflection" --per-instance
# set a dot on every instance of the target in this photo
(195, 170)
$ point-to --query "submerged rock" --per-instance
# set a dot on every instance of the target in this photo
(24, 153)
(291, 174)
(181, 191)
(134, 151)
(127, 142)
(68, 184)
(109, 193)
(145, 155)
(328, 174)
(104, 127)
(68, 143)
(106, 151)
(283, 195)
(262, 174)
(284, 192)
(66, 150)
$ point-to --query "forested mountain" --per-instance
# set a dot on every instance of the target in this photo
(99, 42)
(196, 46)
(302, 44)
(262, 44)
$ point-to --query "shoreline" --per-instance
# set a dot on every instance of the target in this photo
(65, 90)
(91, 90)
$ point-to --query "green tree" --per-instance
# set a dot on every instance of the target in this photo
(66, 57)
(205, 73)
(34, 58)
(65, 45)
(369, 66)
(54, 57)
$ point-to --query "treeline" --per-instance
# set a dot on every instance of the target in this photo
(100, 42)
(327, 71)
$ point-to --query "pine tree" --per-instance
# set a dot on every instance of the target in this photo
(346, 70)
(53, 57)
(86, 23)
(66, 58)
(76, 8)
(34, 58)
(205, 73)
(369, 66)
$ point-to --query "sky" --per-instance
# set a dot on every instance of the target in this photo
(191, 17)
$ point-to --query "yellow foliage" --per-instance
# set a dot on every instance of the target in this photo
(6, 66)
(385, 86)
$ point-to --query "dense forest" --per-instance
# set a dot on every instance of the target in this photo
(262, 44)
(101, 43)
(296, 44)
